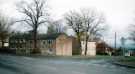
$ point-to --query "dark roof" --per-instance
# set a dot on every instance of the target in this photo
(48, 36)
(39, 37)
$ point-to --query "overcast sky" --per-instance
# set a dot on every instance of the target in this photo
(119, 13)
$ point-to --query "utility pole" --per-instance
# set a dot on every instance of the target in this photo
(123, 40)
(115, 40)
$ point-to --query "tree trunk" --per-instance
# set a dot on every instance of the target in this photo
(86, 45)
(79, 41)
(35, 49)
(35, 41)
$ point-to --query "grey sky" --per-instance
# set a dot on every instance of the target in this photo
(119, 13)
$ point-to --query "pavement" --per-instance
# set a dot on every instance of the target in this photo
(10, 64)
(125, 64)
(125, 61)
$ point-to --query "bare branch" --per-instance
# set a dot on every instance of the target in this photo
(34, 13)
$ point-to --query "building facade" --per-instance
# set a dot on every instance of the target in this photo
(57, 44)
(48, 44)
(22, 44)
(66, 45)
(91, 48)
(4, 43)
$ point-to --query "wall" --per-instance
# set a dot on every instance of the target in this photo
(91, 48)
(64, 46)
(76, 48)
(47, 46)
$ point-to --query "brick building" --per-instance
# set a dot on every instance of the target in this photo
(91, 48)
(66, 45)
(56, 44)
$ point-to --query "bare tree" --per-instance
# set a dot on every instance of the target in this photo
(51, 29)
(87, 23)
(92, 24)
(5, 24)
(132, 32)
(35, 14)
(74, 20)
(56, 27)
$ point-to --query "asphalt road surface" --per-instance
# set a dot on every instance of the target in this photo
(28, 65)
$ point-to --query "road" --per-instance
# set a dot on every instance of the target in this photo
(28, 65)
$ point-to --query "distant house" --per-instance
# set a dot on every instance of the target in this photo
(129, 52)
(103, 49)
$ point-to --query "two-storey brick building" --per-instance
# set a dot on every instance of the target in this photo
(56, 44)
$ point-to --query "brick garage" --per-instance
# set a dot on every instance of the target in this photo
(91, 48)
(66, 45)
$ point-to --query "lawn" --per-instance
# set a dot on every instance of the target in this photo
(128, 59)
